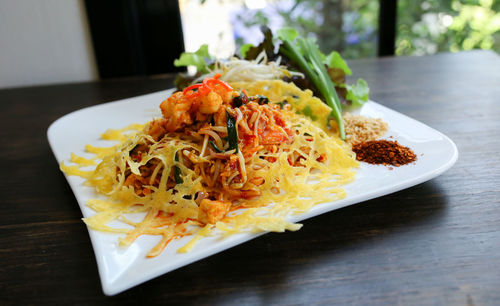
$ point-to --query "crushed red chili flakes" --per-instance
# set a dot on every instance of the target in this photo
(384, 152)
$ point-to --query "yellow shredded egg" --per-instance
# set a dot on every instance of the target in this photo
(326, 163)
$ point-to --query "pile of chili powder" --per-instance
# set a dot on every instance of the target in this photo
(384, 152)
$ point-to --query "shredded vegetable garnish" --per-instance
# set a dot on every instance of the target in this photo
(219, 161)
(239, 70)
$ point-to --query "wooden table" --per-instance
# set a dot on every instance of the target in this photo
(435, 243)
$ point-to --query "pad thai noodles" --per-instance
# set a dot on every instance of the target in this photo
(219, 161)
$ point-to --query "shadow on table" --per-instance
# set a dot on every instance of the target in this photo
(344, 242)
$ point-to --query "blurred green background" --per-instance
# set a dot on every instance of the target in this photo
(351, 26)
(447, 25)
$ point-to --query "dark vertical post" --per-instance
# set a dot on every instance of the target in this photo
(387, 27)
(135, 37)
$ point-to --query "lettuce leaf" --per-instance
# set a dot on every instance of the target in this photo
(199, 59)
(287, 33)
(358, 93)
(334, 60)
(267, 45)
(244, 49)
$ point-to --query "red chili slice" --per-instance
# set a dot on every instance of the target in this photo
(191, 88)
(207, 86)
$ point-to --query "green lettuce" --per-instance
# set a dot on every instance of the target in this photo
(198, 59)
(244, 49)
(287, 33)
(334, 60)
(358, 93)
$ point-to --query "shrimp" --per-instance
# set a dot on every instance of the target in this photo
(175, 110)
(210, 103)
(212, 211)
(220, 117)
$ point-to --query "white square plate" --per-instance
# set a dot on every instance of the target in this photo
(121, 268)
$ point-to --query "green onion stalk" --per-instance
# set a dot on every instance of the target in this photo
(315, 70)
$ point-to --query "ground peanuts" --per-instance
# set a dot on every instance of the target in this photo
(384, 152)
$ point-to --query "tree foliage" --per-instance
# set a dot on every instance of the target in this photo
(447, 25)
(351, 26)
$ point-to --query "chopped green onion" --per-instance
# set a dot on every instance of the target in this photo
(215, 147)
(232, 133)
(262, 99)
(312, 65)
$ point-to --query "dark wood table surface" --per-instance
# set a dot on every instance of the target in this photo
(435, 243)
